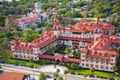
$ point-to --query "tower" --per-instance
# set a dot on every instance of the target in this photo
(56, 24)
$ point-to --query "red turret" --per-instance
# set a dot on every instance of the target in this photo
(56, 24)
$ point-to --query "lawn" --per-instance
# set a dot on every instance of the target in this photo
(23, 63)
(100, 74)
(103, 74)
(29, 63)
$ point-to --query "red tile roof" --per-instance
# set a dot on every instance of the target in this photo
(102, 48)
(27, 19)
(91, 26)
(102, 43)
(115, 39)
(22, 46)
(11, 76)
(45, 39)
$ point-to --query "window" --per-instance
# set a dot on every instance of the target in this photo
(76, 32)
(36, 58)
(96, 66)
(107, 61)
(91, 65)
(83, 55)
(82, 64)
(113, 56)
(111, 60)
(16, 56)
(102, 67)
(87, 65)
(97, 61)
(92, 60)
(111, 63)
(102, 61)
(111, 68)
(87, 60)
(24, 56)
(106, 67)
(83, 60)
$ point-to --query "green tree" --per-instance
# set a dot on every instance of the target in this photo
(92, 71)
(116, 7)
(4, 45)
(67, 51)
(2, 21)
(16, 7)
(1, 70)
(29, 35)
(115, 20)
(42, 76)
(101, 8)
(73, 66)
(76, 54)
(5, 55)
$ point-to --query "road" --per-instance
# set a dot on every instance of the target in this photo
(20, 69)
(35, 71)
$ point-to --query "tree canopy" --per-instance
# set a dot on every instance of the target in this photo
(29, 35)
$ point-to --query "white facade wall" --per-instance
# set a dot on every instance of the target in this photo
(12, 48)
(68, 43)
(22, 55)
(102, 65)
(82, 44)
(36, 50)
(82, 35)
(57, 33)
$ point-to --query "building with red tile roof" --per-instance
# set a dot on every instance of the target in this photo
(93, 39)
(27, 19)
(32, 49)
(33, 18)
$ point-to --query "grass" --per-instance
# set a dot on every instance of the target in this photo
(23, 63)
(75, 69)
(100, 74)
(103, 74)
(29, 63)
